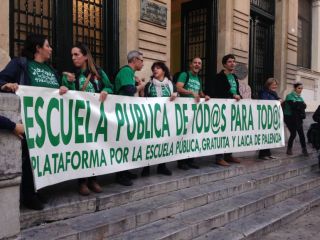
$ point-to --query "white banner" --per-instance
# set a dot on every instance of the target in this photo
(74, 135)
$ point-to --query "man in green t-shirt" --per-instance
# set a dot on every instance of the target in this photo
(227, 87)
(189, 85)
(126, 84)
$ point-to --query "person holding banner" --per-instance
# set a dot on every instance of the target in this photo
(31, 69)
(16, 128)
(189, 85)
(88, 78)
(128, 85)
(227, 87)
(268, 93)
(160, 85)
(294, 113)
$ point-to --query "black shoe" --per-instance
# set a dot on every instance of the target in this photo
(131, 175)
(162, 169)
(145, 172)
(43, 198)
(32, 202)
(192, 165)
(124, 180)
(183, 166)
(305, 152)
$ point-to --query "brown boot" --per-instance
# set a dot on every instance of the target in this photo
(94, 186)
(83, 189)
(223, 163)
(233, 160)
(289, 151)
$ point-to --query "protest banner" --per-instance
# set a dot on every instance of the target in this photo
(75, 136)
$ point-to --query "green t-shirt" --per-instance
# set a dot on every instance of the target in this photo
(294, 97)
(41, 75)
(233, 84)
(107, 86)
(193, 84)
(125, 77)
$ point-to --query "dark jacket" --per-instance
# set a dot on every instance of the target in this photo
(267, 94)
(17, 72)
(316, 115)
(222, 86)
(6, 123)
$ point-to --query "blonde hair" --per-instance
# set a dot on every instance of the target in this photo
(269, 82)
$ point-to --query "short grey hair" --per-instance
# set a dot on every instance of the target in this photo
(133, 54)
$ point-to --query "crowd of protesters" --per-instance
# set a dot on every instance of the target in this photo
(32, 69)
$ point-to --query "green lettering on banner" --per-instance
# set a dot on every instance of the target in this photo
(84, 159)
(157, 109)
(223, 116)
(28, 103)
(41, 137)
(206, 119)
(140, 121)
(102, 127)
(88, 134)
(179, 121)
(151, 120)
(75, 165)
(66, 137)
(55, 157)
(120, 119)
(185, 118)
(194, 110)
(53, 104)
(47, 166)
(94, 158)
(79, 138)
(147, 131)
(199, 112)
(130, 134)
(103, 160)
(165, 122)
(61, 165)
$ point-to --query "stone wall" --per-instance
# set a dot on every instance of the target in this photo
(10, 170)
(151, 39)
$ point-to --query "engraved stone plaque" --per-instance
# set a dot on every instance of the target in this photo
(154, 13)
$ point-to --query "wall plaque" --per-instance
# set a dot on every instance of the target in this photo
(154, 13)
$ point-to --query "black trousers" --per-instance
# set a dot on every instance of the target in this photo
(27, 183)
(264, 153)
(224, 156)
(295, 126)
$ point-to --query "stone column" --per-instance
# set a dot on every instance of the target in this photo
(315, 60)
(10, 170)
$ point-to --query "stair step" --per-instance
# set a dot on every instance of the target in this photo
(68, 204)
(267, 220)
(131, 216)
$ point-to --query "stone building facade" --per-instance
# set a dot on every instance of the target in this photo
(271, 38)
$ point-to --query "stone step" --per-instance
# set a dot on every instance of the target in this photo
(267, 220)
(66, 203)
(131, 216)
(198, 221)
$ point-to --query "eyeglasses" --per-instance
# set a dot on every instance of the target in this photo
(140, 59)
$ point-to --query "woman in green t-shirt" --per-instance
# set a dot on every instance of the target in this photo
(294, 113)
(160, 85)
(31, 69)
(88, 78)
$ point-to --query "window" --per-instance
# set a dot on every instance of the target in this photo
(304, 33)
(66, 22)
